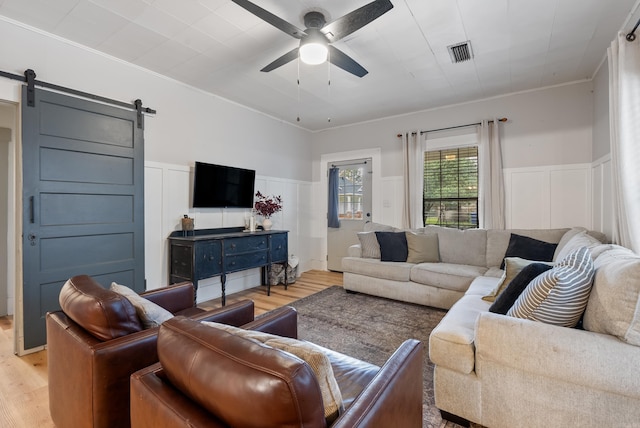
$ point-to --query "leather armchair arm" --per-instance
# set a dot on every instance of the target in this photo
(174, 298)
(235, 314)
(282, 322)
(394, 396)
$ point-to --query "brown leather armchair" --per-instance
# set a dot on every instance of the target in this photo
(96, 341)
(230, 377)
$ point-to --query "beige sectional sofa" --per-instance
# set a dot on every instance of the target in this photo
(502, 371)
(463, 256)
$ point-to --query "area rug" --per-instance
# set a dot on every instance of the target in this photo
(371, 329)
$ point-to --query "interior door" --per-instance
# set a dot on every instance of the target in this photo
(83, 201)
(354, 209)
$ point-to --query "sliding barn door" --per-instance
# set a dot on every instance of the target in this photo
(83, 201)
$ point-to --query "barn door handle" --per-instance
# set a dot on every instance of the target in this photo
(31, 211)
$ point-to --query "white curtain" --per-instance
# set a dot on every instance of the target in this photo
(413, 181)
(624, 113)
(491, 176)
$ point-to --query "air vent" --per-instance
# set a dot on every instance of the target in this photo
(460, 52)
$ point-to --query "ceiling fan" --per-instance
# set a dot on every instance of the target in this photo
(315, 41)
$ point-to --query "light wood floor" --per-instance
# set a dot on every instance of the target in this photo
(24, 397)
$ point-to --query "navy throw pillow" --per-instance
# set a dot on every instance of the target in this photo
(510, 294)
(393, 246)
(529, 248)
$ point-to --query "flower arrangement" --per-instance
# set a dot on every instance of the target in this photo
(267, 206)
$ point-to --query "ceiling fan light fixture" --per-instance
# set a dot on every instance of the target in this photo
(314, 48)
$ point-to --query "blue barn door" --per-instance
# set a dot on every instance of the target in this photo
(83, 200)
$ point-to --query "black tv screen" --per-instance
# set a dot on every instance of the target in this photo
(218, 186)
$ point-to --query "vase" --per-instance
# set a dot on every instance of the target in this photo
(267, 224)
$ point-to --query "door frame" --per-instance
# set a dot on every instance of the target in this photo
(376, 187)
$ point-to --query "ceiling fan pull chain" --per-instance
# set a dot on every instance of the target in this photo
(329, 84)
(298, 89)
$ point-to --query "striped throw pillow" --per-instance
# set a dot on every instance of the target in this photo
(560, 295)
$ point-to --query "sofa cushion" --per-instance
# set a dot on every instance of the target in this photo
(512, 267)
(529, 248)
(446, 275)
(202, 362)
(558, 296)
(150, 314)
(422, 247)
(516, 286)
(369, 245)
(396, 271)
(306, 351)
(464, 247)
(614, 304)
(101, 312)
(451, 343)
(393, 246)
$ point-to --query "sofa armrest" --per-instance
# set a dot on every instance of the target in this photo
(174, 298)
(235, 314)
(354, 251)
(595, 360)
(282, 322)
(394, 396)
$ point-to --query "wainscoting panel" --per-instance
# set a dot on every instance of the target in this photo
(168, 191)
(549, 197)
(602, 196)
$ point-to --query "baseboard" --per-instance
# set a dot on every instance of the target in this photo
(455, 419)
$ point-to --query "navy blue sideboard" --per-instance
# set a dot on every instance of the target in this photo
(205, 253)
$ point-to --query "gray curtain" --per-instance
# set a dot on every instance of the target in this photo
(413, 180)
(334, 182)
(492, 176)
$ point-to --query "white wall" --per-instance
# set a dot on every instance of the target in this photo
(547, 153)
(189, 125)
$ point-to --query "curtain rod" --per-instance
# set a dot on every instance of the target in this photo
(632, 35)
(502, 119)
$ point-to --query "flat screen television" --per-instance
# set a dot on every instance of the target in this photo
(219, 186)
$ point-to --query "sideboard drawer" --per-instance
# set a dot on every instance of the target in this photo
(279, 251)
(234, 263)
(209, 259)
(243, 245)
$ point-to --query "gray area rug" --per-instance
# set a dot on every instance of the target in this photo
(371, 329)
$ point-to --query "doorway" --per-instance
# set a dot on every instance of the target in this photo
(8, 117)
(354, 208)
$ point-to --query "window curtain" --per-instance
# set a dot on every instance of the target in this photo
(334, 181)
(491, 176)
(624, 114)
(413, 165)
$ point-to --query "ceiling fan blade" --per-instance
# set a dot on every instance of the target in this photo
(355, 20)
(270, 18)
(345, 62)
(284, 59)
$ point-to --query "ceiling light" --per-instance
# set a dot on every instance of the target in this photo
(314, 48)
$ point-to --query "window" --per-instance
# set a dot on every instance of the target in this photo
(350, 193)
(451, 187)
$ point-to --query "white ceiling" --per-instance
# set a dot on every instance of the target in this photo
(219, 47)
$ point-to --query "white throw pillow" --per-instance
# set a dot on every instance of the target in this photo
(580, 239)
(614, 304)
(149, 313)
(512, 267)
(369, 245)
(558, 296)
